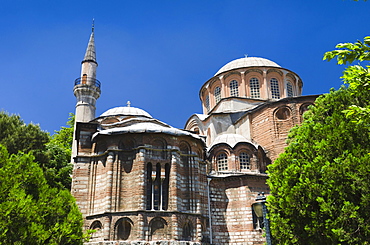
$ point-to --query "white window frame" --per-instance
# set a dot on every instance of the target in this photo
(217, 94)
(254, 86)
(244, 161)
(234, 88)
(222, 163)
(275, 90)
(289, 89)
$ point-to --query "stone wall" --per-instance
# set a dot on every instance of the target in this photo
(231, 209)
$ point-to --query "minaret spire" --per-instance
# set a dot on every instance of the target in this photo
(90, 55)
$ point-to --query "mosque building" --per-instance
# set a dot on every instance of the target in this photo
(138, 180)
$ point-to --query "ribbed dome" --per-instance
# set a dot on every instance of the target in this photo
(127, 111)
(230, 139)
(246, 62)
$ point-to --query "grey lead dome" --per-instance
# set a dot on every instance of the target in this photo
(246, 62)
(126, 111)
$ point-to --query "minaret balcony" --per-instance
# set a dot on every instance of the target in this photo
(87, 81)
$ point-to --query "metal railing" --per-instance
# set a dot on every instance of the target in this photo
(88, 81)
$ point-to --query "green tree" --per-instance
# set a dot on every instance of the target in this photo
(58, 151)
(53, 153)
(31, 211)
(16, 136)
(320, 188)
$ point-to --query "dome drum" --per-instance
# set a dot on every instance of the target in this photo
(250, 77)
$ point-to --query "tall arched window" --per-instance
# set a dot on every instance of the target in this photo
(206, 103)
(254, 88)
(217, 94)
(289, 89)
(234, 91)
(157, 187)
(149, 186)
(275, 91)
(188, 176)
(244, 161)
(222, 162)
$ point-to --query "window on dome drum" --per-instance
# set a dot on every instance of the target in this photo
(206, 103)
(222, 162)
(275, 91)
(289, 89)
(217, 94)
(234, 88)
(244, 161)
(254, 87)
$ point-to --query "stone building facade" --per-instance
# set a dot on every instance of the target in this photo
(138, 180)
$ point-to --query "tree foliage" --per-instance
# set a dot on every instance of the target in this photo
(58, 153)
(53, 153)
(31, 211)
(320, 188)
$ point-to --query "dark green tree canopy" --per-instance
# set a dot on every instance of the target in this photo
(31, 211)
(320, 188)
(53, 153)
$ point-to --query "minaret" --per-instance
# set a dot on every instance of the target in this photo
(86, 90)
(87, 87)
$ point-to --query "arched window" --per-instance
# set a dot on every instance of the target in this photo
(98, 234)
(157, 229)
(234, 91)
(304, 108)
(244, 161)
(217, 94)
(275, 91)
(165, 187)
(222, 162)
(282, 113)
(123, 229)
(157, 187)
(188, 177)
(206, 103)
(289, 89)
(149, 186)
(254, 88)
(187, 232)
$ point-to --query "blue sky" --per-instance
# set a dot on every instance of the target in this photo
(158, 54)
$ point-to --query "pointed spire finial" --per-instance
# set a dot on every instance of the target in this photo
(90, 54)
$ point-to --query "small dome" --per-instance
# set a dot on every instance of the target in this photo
(246, 62)
(230, 139)
(126, 111)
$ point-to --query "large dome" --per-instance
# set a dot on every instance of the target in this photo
(126, 111)
(246, 62)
